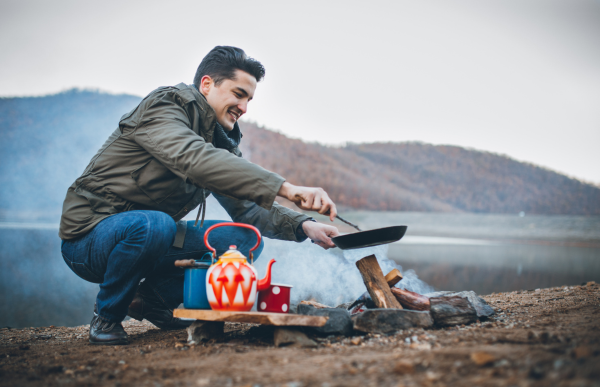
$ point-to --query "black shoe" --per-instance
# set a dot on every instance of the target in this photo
(146, 305)
(104, 332)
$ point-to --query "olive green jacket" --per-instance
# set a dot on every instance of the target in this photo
(161, 157)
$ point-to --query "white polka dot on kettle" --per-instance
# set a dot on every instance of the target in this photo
(276, 290)
(284, 307)
(263, 305)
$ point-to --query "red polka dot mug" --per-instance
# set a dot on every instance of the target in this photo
(275, 298)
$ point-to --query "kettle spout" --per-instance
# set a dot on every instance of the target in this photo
(265, 282)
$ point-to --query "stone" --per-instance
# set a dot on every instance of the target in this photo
(482, 358)
(438, 294)
(582, 352)
(481, 306)
(201, 331)
(356, 341)
(345, 305)
(391, 320)
(452, 310)
(292, 338)
(338, 323)
(403, 367)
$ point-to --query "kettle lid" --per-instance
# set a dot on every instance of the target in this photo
(233, 253)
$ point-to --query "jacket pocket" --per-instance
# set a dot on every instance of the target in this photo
(100, 197)
(156, 181)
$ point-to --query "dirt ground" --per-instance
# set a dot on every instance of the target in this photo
(547, 337)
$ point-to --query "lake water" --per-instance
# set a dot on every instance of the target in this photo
(484, 253)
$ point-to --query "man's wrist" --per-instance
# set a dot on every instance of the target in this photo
(300, 234)
(284, 190)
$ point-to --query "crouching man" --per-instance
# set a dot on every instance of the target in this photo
(121, 220)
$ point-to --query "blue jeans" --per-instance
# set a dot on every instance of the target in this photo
(125, 248)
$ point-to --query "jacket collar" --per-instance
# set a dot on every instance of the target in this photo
(209, 116)
(206, 127)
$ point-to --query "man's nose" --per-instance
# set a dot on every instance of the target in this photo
(243, 106)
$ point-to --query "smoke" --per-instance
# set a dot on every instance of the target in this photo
(327, 276)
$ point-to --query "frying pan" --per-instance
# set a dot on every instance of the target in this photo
(369, 238)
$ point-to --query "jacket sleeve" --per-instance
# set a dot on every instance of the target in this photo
(277, 223)
(164, 131)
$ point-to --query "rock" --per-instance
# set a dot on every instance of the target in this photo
(356, 341)
(344, 305)
(339, 322)
(404, 368)
(292, 337)
(205, 330)
(315, 304)
(452, 310)
(536, 372)
(482, 358)
(481, 307)
(421, 346)
(391, 320)
(438, 294)
(582, 352)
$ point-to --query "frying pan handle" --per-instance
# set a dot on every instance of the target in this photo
(348, 223)
(231, 224)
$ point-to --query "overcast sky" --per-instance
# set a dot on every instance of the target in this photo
(515, 77)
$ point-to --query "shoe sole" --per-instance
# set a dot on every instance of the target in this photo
(113, 342)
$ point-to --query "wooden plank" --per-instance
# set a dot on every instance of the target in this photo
(277, 319)
(376, 284)
(393, 277)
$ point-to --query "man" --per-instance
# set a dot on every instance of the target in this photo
(121, 220)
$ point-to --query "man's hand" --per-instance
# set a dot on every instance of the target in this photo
(320, 233)
(309, 198)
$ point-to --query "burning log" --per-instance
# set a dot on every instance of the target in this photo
(411, 300)
(377, 286)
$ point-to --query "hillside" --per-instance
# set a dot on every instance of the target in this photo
(421, 177)
(45, 143)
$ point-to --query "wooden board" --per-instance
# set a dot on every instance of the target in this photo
(277, 319)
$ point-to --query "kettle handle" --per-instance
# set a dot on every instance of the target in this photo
(243, 225)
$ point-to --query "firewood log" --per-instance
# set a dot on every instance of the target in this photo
(378, 288)
(393, 277)
(411, 300)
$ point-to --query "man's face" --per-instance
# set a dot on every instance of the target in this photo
(230, 98)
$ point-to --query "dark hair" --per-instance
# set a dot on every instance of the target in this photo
(222, 61)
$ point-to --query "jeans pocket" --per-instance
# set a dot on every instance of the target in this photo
(83, 271)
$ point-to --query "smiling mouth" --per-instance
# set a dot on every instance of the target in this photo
(234, 115)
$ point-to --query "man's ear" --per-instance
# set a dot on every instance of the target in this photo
(206, 83)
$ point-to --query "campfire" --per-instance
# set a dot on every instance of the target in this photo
(385, 308)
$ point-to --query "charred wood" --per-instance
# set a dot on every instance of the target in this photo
(411, 300)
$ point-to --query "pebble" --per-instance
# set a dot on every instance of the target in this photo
(482, 358)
